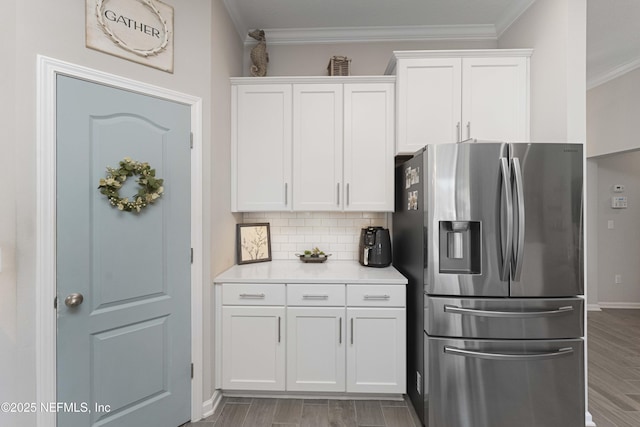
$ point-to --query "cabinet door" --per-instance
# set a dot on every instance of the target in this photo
(317, 147)
(253, 348)
(368, 146)
(429, 97)
(376, 350)
(261, 147)
(495, 100)
(316, 349)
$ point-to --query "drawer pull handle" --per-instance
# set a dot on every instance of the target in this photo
(254, 296)
(315, 296)
(384, 297)
(567, 351)
(509, 314)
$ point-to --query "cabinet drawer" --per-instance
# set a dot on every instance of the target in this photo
(316, 295)
(253, 294)
(375, 295)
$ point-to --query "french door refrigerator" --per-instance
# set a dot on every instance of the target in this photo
(490, 236)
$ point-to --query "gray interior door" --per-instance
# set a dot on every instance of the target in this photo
(123, 354)
(548, 205)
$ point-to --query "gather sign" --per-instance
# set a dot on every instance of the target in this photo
(137, 30)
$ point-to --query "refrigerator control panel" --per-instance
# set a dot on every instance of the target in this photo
(619, 202)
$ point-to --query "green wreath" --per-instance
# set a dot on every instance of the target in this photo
(150, 187)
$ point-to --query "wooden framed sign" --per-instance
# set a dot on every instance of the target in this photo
(137, 30)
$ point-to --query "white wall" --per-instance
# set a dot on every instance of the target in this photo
(592, 233)
(206, 54)
(366, 58)
(556, 30)
(613, 109)
(619, 248)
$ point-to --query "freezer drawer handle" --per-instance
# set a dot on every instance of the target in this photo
(512, 314)
(562, 352)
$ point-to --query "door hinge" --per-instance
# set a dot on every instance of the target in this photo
(191, 255)
(192, 371)
(191, 139)
(55, 303)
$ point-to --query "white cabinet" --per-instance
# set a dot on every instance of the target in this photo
(376, 348)
(261, 148)
(324, 338)
(253, 348)
(316, 349)
(253, 336)
(317, 146)
(369, 117)
(339, 136)
(450, 96)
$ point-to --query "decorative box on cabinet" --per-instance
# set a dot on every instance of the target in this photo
(450, 96)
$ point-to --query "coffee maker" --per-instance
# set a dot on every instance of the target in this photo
(375, 247)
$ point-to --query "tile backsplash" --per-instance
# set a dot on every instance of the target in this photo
(337, 233)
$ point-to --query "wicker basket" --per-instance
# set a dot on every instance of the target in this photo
(339, 66)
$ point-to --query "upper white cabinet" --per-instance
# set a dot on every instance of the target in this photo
(261, 148)
(338, 139)
(450, 96)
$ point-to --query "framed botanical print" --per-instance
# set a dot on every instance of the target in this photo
(253, 242)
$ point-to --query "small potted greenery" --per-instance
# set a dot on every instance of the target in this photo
(313, 255)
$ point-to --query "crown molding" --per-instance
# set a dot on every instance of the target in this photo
(613, 73)
(511, 15)
(298, 36)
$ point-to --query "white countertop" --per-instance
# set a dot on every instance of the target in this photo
(295, 271)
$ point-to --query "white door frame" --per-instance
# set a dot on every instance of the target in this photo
(47, 71)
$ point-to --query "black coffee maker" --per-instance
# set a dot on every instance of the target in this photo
(375, 247)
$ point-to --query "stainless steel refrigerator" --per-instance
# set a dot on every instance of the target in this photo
(490, 236)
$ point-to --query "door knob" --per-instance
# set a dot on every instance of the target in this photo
(73, 300)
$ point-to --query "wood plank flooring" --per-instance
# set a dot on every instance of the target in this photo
(614, 367)
(244, 412)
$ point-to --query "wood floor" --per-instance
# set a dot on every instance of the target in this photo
(244, 412)
(614, 367)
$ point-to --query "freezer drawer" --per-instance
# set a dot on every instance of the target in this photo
(491, 383)
(504, 318)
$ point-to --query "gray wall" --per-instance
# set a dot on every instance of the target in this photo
(619, 248)
(207, 52)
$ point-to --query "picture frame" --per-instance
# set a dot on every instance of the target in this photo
(253, 242)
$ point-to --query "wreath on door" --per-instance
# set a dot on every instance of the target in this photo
(150, 188)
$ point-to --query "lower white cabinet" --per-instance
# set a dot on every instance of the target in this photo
(316, 349)
(324, 338)
(253, 348)
(376, 350)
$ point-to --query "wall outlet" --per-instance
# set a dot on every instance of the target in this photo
(418, 382)
(618, 279)
(610, 224)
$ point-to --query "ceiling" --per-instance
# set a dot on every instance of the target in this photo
(613, 39)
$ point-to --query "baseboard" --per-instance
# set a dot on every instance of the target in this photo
(209, 406)
(594, 307)
(626, 305)
(588, 421)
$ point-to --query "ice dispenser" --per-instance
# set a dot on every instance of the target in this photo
(460, 245)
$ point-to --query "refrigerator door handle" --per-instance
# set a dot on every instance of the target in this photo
(561, 352)
(518, 255)
(508, 242)
(509, 314)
